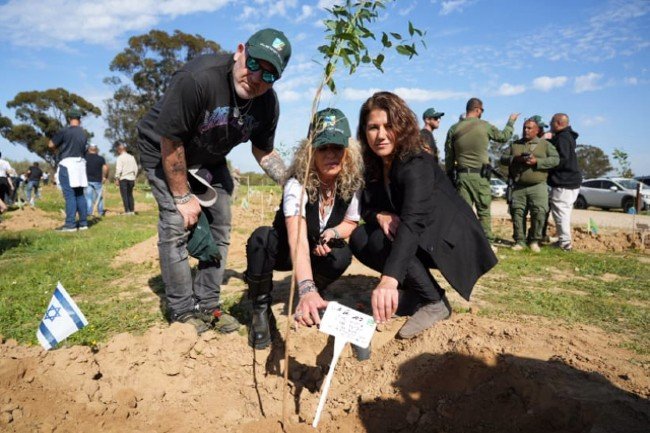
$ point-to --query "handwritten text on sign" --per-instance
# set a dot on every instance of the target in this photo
(348, 324)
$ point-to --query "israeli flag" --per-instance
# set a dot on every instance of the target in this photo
(62, 319)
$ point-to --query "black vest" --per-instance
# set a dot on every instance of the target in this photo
(313, 224)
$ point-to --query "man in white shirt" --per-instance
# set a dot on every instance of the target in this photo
(5, 180)
(126, 171)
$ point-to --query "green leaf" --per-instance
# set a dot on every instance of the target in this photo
(404, 50)
(330, 24)
(396, 36)
(331, 85)
(385, 41)
(411, 28)
(378, 62)
(329, 68)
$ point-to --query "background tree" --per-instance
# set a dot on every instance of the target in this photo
(42, 114)
(593, 162)
(146, 66)
(621, 158)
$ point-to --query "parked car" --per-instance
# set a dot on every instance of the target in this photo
(608, 193)
(498, 187)
(645, 180)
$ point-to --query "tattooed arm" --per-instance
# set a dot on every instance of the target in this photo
(175, 168)
(271, 163)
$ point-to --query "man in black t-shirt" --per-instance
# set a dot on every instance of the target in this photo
(97, 173)
(70, 144)
(212, 104)
(431, 119)
(34, 174)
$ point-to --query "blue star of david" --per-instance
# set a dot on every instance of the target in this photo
(52, 313)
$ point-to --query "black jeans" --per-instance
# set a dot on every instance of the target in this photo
(266, 252)
(371, 247)
(126, 191)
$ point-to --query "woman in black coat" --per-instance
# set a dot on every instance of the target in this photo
(414, 218)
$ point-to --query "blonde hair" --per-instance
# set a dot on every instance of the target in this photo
(348, 181)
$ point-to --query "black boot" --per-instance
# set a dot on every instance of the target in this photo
(259, 290)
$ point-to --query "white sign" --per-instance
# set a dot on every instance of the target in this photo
(346, 325)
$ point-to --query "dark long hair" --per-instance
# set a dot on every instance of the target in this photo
(404, 125)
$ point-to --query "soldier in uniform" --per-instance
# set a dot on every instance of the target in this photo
(431, 119)
(466, 154)
(529, 160)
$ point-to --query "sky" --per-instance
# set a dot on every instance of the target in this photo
(587, 58)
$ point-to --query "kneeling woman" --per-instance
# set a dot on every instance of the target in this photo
(415, 220)
(330, 212)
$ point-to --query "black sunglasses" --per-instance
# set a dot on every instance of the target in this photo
(253, 65)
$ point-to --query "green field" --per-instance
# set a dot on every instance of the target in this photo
(611, 291)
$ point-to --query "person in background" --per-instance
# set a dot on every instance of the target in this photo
(97, 172)
(414, 221)
(528, 161)
(466, 154)
(70, 144)
(6, 184)
(126, 171)
(431, 119)
(34, 175)
(564, 179)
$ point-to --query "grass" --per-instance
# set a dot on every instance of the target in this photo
(32, 261)
(610, 291)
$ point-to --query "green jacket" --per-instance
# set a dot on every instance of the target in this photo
(468, 142)
(544, 151)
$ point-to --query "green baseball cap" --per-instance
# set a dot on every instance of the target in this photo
(331, 127)
(74, 113)
(270, 45)
(201, 244)
(431, 112)
(538, 119)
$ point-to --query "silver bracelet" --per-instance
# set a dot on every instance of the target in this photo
(182, 199)
(336, 232)
(306, 286)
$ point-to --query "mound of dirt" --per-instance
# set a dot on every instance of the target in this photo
(608, 240)
(468, 373)
(27, 218)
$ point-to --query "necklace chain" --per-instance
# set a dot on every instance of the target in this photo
(237, 112)
(326, 198)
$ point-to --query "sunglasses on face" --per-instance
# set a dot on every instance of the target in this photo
(253, 65)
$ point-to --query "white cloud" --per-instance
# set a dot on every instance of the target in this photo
(423, 95)
(594, 120)
(615, 29)
(358, 94)
(31, 22)
(306, 12)
(546, 83)
(587, 82)
(508, 89)
(407, 10)
(323, 4)
(411, 94)
(632, 81)
(449, 6)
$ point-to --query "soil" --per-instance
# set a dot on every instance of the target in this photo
(468, 373)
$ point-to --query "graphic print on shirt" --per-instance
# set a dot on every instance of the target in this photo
(220, 117)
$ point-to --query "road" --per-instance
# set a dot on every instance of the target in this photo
(580, 217)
